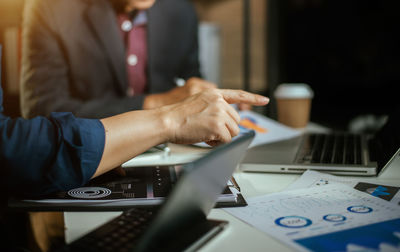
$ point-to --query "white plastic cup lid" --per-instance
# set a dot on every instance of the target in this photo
(293, 91)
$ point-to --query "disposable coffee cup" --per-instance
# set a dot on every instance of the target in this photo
(294, 104)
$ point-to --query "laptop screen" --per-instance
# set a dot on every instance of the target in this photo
(387, 140)
(197, 189)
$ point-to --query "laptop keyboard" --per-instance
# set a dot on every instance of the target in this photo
(120, 234)
(330, 149)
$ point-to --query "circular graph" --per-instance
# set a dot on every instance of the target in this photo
(293, 222)
(89, 192)
(359, 209)
(334, 217)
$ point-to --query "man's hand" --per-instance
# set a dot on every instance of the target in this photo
(203, 117)
(207, 116)
(244, 106)
(191, 87)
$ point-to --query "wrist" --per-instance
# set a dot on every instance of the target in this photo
(167, 123)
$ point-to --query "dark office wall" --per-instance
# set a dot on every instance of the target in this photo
(348, 51)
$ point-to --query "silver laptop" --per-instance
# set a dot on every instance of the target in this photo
(339, 153)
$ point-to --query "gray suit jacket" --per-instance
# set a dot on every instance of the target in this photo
(74, 58)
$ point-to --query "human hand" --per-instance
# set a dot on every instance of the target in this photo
(192, 86)
(207, 116)
(244, 107)
(204, 117)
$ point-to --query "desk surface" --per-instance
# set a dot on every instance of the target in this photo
(238, 236)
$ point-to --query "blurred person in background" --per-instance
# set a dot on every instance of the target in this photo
(98, 58)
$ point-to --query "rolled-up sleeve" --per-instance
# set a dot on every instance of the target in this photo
(45, 155)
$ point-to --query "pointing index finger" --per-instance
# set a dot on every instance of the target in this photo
(239, 96)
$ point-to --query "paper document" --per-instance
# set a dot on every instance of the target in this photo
(160, 159)
(267, 130)
(314, 178)
(330, 218)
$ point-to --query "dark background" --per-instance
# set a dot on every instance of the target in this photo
(347, 51)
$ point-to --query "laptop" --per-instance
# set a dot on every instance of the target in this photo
(340, 153)
(180, 223)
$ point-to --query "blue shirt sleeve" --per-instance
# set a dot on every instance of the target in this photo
(45, 155)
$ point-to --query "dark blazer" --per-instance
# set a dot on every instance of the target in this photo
(74, 58)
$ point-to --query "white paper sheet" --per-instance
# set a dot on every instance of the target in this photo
(267, 130)
(330, 218)
(313, 178)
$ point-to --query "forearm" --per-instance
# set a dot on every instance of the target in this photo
(130, 134)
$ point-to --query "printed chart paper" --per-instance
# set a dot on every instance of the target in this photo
(329, 218)
(314, 178)
(267, 130)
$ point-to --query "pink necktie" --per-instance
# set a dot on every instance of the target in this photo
(135, 38)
